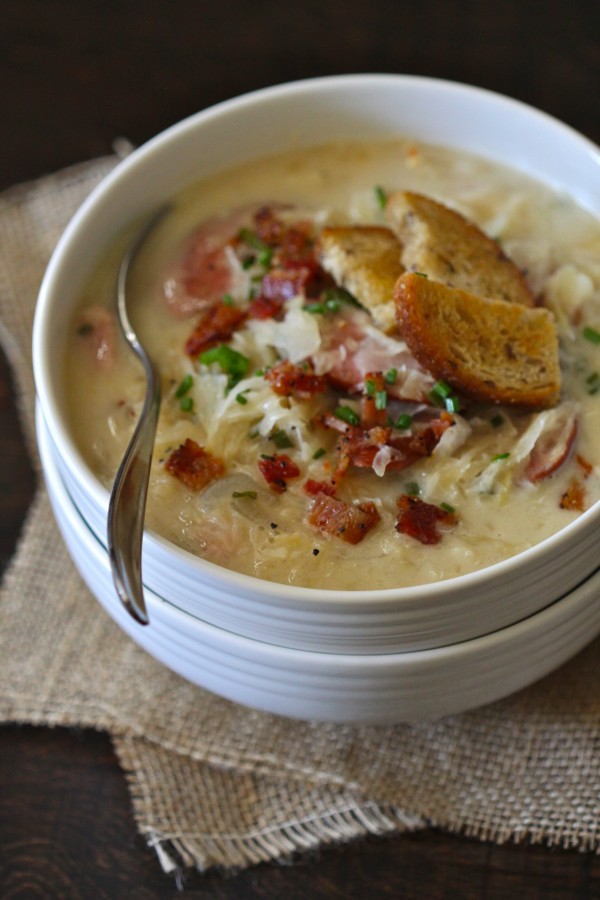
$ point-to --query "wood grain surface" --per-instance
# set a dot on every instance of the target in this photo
(73, 77)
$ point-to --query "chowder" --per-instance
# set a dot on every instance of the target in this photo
(300, 440)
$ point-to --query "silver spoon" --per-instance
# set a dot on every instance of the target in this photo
(127, 505)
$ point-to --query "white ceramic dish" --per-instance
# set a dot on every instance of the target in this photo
(384, 622)
(377, 688)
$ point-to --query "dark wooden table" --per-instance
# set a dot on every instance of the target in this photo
(76, 75)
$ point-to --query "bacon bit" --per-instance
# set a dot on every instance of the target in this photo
(359, 446)
(313, 487)
(574, 496)
(293, 243)
(585, 465)
(370, 413)
(348, 522)
(420, 520)
(216, 325)
(265, 307)
(287, 379)
(194, 466)
(277, 470)
(269, 227)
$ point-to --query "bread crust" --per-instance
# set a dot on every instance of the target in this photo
(489, 350)
(364, 259)
(447, 247)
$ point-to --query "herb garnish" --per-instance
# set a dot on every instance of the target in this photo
(347, 414)
(231, 362)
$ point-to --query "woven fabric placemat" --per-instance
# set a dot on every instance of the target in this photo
(213, 783)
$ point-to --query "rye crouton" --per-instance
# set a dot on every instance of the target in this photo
(365, 260)
(447, 247)
(489, 350)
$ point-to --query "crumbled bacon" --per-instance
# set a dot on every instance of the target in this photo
(349, 522)
(358, 446)
(420, 520)
(585, 465)
(194, 466)
(216, 325)
(292, 243)
(574, 496)
(265, 307)
(288, 380)
(277, 470)
(373, 412)
(313, 487)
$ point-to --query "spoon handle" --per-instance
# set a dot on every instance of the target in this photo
(128, 504)
(127, 507)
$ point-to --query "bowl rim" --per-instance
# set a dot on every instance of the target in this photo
(47, 397)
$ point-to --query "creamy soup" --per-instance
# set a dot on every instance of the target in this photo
(297, 441)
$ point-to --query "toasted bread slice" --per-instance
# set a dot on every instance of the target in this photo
(364, 259)
(446, 247)
(490, 350)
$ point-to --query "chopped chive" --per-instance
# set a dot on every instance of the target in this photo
(497, 421)
(266, 456)
(252, 239)
(380, 196)
(184, 386)
(347, 414)
(370, 387)
(500, 456)
(390, 376)
(281, 439)
(332, 304)
(265, 256)
(186, 404)
(412, 488)
(380, 400)
(259, 372)
(341, 295)
(441, 389)
(319, 453)
(593, 383)
(421, 274)
(228, 300)
(403, 421)
(231, 362)
(441, 395)
(248, 262)
(315, 308)
(591, 334)
(241, 398)
(447, 507)
(252, 495)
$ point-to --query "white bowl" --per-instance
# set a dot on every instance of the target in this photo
(341, 622)
(361, 687)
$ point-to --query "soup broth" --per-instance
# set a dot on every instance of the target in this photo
(250, 469)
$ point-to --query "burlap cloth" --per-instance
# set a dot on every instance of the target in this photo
(214, 784)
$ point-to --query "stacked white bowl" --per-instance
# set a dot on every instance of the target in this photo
(378, 656)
